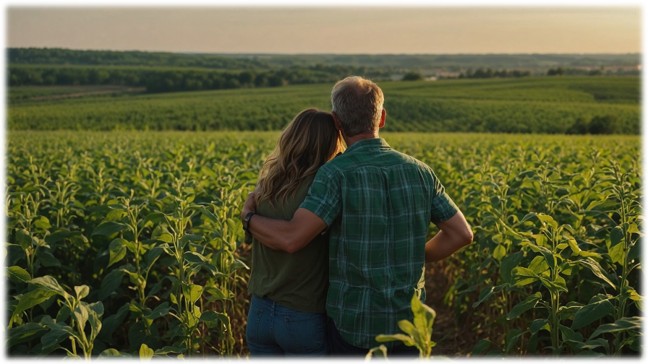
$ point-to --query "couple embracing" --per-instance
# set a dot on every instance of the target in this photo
(340, 236)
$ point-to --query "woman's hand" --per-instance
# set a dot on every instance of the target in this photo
(249, 206)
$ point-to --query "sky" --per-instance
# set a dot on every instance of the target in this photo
(378, 27)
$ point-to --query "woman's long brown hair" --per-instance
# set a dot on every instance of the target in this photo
(310, 140)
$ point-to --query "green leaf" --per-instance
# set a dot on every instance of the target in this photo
(539, 324)
(512, 338)
(617, 253)
(485, 293)
(407, 327)
(31, 299)
(191, 238)
(540, 240)
(634, 295)
(507, 264)
(18, 274)
(634, 229)
(539, 265)
(592, 312)
(117, 251)
(23, 238)
(214, 319)
(164, 237)
(145, 352)
(81, 291)
(621, 325)
(110, 283)
(424, 315)
(49, 283)
(524, 306)
(57, 334)
(573, 245)
(616, 235)
(115, 213)
(96, 310)
(558, 285)
(524, 276)
(47, 259)
(110, 353)
(408, 341)
(594, 344)
(155, 218)
(151, 257)
(216, 294)
(109, 229)
(160, 311)
(481, 347)
(570, 335)
(596, 269)
(195, 258)
(602, 204)
(113, 322)
(192, 292)
(25, 332)
(81, 314)
(547, 220)
(42, 223)
(499, 252)
(382, 349)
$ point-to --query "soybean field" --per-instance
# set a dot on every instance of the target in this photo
(128, 244)
(123, 236)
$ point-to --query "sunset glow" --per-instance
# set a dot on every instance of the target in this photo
(374, 30)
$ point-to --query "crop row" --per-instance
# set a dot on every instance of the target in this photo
(539, 105)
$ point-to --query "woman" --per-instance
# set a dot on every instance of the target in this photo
(288, 291)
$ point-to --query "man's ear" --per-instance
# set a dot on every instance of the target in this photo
(336, 120)
(383, 117)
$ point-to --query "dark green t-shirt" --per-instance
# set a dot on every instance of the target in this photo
(299, 280)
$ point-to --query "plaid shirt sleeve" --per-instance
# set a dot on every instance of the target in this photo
(443, 208)
(323, 198)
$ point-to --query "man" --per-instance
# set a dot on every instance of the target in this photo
(377, 204)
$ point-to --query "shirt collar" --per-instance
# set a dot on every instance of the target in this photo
(368, 143)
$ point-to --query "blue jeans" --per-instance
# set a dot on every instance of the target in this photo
(273, 329)
(339, 347)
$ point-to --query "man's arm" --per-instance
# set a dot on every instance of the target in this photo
(453, 235)
(289, 236)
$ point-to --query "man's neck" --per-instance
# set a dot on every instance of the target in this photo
(356, 138)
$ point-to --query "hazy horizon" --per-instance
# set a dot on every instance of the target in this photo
(343, 54)
(330, 30)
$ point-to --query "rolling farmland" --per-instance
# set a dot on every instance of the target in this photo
(128, 243)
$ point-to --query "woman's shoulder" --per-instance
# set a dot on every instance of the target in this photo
(285, 209)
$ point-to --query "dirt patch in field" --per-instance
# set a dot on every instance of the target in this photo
(452, 339)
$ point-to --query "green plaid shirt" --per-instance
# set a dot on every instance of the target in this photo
(378, 204)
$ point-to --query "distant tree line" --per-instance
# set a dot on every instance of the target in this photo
(176, 79)
(60, 56)
(559, 71)
(166, 72)
(398, 63)
(491, 73)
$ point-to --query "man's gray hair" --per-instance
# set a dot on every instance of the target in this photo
(358, 104)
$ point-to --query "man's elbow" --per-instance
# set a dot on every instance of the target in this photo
(467, 236)
(291, 247)
(291, 244)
